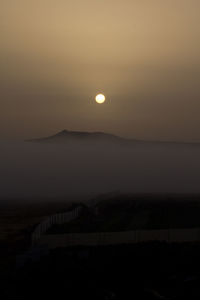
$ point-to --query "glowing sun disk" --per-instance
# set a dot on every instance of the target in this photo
(100, 98)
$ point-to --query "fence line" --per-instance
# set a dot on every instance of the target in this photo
(60, 218)
(40, 237)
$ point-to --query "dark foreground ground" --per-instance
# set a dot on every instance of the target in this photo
(17, 221)
(145, 271)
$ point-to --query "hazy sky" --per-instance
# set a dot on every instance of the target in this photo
(144, 55)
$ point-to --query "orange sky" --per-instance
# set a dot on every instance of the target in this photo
(55, 56)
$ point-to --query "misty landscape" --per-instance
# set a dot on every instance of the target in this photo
(85, 167)
(100, 149)
(95, 204)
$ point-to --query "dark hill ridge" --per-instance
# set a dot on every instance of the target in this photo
(66, 136)
(84, 135)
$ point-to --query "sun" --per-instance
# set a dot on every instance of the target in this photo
(100, 98)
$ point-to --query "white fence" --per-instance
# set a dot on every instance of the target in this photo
(124, 237)
(40, 236)
(60, 218)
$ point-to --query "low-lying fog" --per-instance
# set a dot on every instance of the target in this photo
(33, 170)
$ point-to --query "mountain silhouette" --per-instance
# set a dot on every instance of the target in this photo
(66, 136)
